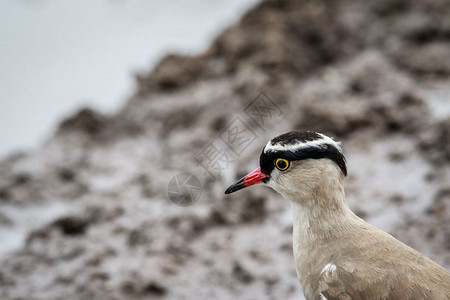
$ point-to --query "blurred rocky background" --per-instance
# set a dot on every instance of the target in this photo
(89, 212)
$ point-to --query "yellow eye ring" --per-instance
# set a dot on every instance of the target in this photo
(282, 164)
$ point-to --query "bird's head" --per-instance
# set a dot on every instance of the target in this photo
(296, 162)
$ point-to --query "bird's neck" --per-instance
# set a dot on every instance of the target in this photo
(320, 218)
(321, 212)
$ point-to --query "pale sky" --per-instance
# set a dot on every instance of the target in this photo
(58, 55)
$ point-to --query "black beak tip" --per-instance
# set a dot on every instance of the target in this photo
(235, 186)
(231, 189)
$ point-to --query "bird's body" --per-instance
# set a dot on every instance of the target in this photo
(337, 254)
(343, 257)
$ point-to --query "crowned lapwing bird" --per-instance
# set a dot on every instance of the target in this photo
(338, 255)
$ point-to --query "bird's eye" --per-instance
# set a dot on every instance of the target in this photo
(282, 164)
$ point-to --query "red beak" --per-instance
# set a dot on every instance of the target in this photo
(252, 178)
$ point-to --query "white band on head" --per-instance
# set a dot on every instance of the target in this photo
(318, 143)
